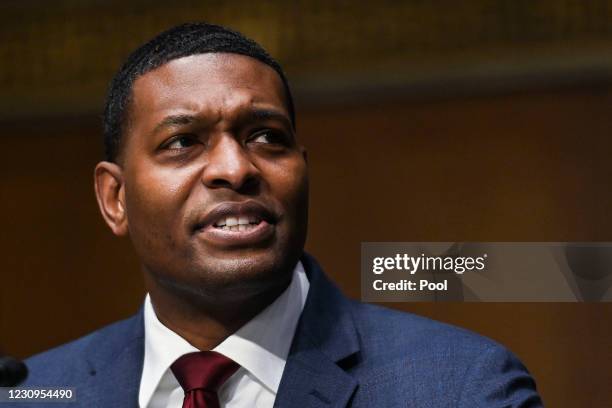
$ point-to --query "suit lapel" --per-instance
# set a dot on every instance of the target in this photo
(325, 336)
(310, 379)
(115, 368)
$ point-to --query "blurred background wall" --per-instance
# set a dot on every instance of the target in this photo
(428, 120)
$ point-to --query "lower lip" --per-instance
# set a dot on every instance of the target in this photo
(260, 233)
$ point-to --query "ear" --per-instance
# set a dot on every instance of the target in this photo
(304, 153)
(110, 193)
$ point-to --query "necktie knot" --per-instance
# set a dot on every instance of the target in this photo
(205, 370)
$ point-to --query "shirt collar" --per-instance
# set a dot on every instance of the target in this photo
(261, 346)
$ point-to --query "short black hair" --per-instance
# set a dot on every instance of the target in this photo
(177, 42)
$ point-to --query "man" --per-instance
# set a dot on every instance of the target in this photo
(205, 174)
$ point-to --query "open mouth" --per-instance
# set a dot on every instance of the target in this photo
(233, 216)
(233, 224)
(238, 224)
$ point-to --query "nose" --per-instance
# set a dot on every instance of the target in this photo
(229, 166)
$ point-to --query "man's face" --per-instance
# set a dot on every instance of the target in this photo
(215, 185)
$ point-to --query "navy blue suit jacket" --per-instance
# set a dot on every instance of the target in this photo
(344, 354)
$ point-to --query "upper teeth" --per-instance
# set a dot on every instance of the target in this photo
(233, 221)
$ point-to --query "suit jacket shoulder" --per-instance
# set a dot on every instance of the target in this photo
(436, 364)
(388, 358)
(103, 367)
(390, 335)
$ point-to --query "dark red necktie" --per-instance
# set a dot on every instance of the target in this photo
(201, 374)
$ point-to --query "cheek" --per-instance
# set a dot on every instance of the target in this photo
(154, 202)
(289, 184)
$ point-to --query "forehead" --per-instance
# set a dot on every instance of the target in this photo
(211, 83)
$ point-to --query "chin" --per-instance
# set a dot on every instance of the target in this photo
(251, 270)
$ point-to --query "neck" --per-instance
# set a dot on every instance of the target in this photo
(206, 321)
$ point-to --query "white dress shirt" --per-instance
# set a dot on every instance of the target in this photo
(260, 347)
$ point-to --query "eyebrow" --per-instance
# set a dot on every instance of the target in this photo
(175, 120)
(254, 114)
(269, 114)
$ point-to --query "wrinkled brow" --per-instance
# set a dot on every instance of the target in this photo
(250, 115)
(175, 120)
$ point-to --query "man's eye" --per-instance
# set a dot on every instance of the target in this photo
(268, 137)
(181, 142)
